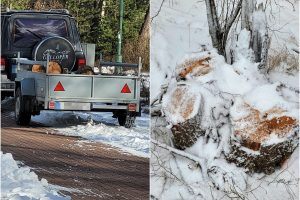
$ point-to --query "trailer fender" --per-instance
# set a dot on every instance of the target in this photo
(27, 86)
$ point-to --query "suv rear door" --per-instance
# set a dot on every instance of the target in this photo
(26, 30)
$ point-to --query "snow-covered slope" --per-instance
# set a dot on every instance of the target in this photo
(20, 183)
(180, 28)
(179, 34)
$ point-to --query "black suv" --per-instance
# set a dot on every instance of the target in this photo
(34, 34)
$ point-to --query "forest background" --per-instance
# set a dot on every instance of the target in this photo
(98, 23)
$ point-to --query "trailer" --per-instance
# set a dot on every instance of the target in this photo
(119, 94)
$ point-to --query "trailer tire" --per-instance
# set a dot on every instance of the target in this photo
(126, 119)
(22, 108)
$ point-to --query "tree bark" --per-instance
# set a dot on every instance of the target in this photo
(246, 14)
(144, 31)
(219, 34)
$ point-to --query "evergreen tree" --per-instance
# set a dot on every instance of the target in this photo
(97, 20)
(16, 4)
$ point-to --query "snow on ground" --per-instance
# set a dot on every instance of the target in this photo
(175, 31)
(180, 32)
(20, 183)
(100, 127)
(283, 184)
(181, 28)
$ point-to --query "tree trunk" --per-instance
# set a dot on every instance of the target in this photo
(219, 34)
(214, 26)
(246, 14)
(144, 31)
(260, 39)
(254, 20)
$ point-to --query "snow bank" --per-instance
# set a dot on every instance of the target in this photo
(100, 127)
(21, 183)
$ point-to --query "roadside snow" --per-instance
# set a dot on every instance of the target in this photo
(100, 127)
(20, 183)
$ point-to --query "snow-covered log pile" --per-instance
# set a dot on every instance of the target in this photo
(233, 107)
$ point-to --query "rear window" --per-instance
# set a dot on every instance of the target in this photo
(29, 31)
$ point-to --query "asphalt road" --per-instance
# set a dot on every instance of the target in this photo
(88, 170)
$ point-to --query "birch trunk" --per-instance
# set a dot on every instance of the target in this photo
(219, 34)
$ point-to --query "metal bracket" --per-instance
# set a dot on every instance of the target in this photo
(20, 61)
(28, 86)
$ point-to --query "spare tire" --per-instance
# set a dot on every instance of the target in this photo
(60, 50)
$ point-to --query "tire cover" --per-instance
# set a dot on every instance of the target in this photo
(60, 50)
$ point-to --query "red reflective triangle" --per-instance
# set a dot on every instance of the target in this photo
(59, 87)
(125, 89)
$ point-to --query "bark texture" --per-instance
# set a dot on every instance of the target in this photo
(268, 157)
(218, 33)
(262, 141)
(186, 134)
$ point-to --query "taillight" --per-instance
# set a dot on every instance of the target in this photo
(3, 63)
(81, 62)
(132, 107)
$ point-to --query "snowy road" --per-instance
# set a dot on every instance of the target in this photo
(84, 169)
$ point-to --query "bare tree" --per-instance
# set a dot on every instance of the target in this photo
(253, 19)
(219, 29)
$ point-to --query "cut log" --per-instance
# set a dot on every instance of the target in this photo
(194, 67)
(87, 70)
(186, 134)
(263, 140)
(256, 128)
(38, 69)
(182, 107)
(53, 68)
(268, 158)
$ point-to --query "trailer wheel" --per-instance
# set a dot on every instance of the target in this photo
(22, 108)
(126, 119)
